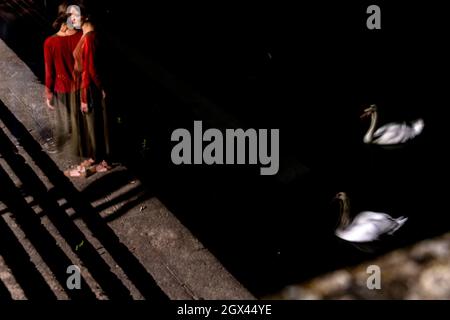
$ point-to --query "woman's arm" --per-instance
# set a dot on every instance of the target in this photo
(90, 73)
(49, 71)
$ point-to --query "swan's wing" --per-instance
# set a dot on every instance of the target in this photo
(387, 226)
(386, 128)
(368, 226)
(382, 221)
(370, 216)
(366, 232)
(394, 133)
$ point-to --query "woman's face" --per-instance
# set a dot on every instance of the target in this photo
(74, 18)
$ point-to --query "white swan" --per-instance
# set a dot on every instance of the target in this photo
(367, 226)
(391, 133)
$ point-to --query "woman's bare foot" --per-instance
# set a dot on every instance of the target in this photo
(74, 171)
(87, 163)
(103, 166)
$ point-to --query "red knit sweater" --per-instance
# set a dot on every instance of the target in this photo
(59, 63)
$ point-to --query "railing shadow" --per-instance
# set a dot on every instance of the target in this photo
(28, 221)
(113, 287)
(102, 189)
(24, 271)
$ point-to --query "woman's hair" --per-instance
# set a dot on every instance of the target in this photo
(62, 16)
(62, 8)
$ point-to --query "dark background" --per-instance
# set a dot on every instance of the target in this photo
(307, 69)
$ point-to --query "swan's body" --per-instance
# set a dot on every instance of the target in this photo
(367, 226)
(391, 133)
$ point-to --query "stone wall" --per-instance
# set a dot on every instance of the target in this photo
(421, 271)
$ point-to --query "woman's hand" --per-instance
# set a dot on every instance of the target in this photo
(84, 107)
(49, 104)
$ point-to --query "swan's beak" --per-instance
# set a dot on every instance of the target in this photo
(365, 115)
(367, 112)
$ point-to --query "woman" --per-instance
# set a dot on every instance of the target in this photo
(60, 84)
(90, 136)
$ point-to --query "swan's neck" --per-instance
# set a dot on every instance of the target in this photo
(344, 214)
(369, 135)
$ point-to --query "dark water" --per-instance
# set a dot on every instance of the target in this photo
(307, 71)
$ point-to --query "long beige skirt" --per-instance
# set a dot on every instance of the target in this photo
(60, 118)
(90, 135)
